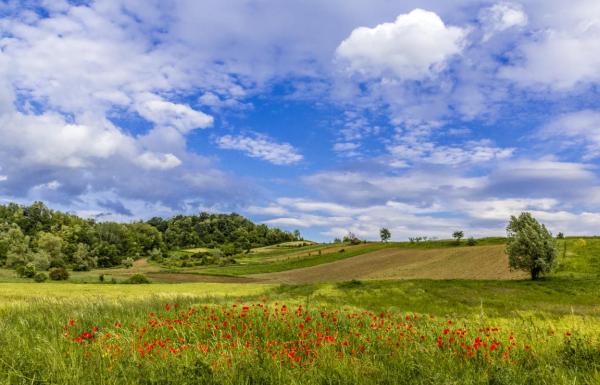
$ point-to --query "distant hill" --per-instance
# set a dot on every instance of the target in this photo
(45, 238)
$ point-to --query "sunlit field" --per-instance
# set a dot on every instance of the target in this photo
(423, 332)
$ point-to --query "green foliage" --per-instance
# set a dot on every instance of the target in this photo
(384, 234)
(530, 246)
(128, 262)
(26, 271)
(59, 274)
(41, 260)
(351, 238)
(137, 279)
(471, 241)
(82, 244)
(458, 235)
(156, 255)
(40, 277)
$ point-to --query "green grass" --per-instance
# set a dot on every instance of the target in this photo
(290, 264)
(536, 313)
(579, 257)
(259, 265)
(558, 318)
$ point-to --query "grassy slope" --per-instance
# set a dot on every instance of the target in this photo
(263, 265)
(540, 312)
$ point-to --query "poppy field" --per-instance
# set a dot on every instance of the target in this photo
(273, 335)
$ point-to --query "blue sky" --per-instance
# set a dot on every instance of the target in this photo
(421, 116)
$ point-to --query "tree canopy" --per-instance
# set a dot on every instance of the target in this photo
(384, 234)
(530, 245)
(47, 238)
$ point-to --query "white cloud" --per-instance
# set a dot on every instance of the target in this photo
(150, 160)
(564, 54)
(472, 152)
(415, 46)
(266, 210)
(501, 17)
(345, 146)
(165, 113)
(576, 129)
(48, 139)
(262, 147)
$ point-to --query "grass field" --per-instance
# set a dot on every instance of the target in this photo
(494, 329)
(555, 323)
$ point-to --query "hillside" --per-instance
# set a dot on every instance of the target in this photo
(43, 238)
(478, 262)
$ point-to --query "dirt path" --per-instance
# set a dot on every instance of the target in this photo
(477, 262)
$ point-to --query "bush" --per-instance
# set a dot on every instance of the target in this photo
(40, 277)
(471, 241)
(101, 278)
(81, 267)
(27, 271)
(20, 270)
(137, 279)
(128, 262)
(59, 274)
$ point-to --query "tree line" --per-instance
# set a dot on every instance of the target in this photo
(42, 238)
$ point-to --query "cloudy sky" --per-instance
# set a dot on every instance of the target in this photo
(326, 116)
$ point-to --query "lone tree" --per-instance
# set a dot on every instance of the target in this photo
(530, 245)
(458, 235)
(385, 234)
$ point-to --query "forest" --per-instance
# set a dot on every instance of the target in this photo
(43, 238)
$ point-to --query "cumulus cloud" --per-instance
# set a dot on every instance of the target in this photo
(262, 147)
(48, 139)
(562, 55)
(165, 113)
(415, 46)
(501, 17)
(71, 81)
(150, 160)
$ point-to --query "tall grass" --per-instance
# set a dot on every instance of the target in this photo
(39, 347)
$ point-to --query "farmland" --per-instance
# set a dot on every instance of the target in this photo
(329, 322)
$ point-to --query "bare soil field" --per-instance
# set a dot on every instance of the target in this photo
(477, 262)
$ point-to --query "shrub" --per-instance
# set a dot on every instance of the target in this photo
(20, 270)
(471, 241)
(128, 262)
(81, 267)
(59, 274)
(101, 278)
(349, 284)
(137, 279)
(27, 271)
(342, 250)
(40, 277)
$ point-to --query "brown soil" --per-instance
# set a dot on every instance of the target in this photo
(477, 262)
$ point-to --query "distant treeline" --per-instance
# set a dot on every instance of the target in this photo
(47, 238)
